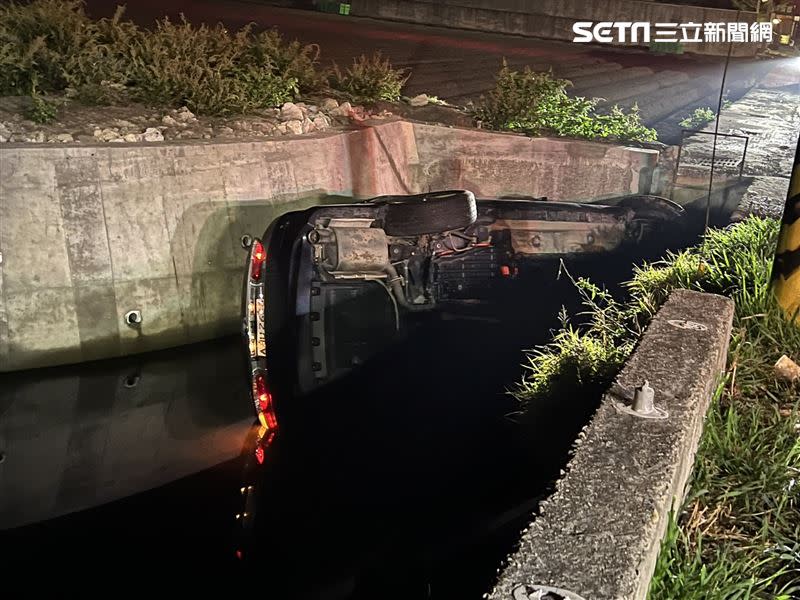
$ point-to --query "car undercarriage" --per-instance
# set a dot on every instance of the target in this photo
(340, 283)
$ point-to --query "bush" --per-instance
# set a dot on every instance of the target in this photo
(369, 79)
(536, 103)
(38, 41)
(53, 46)
(698, 118)
(207, 69)
(293, 60)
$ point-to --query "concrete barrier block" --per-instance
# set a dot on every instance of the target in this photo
(600, 533)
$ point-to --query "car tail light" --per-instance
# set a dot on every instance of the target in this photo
(258, 257)
(265, 438)
(263, 399)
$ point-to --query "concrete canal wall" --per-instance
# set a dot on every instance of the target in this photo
(88, 233)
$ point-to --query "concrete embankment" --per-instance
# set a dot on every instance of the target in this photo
(554, 20)
(600, 533)
(90, 233)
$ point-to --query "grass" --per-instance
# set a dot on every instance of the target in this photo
(698, 118)
(738, 533)
(53, 47)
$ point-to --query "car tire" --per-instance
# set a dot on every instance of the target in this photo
(430, 213)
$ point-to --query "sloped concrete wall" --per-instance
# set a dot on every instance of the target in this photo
(89, 233)
(552, 19)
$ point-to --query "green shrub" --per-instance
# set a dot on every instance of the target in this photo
(293, 60)
(536, 103)
(41, 110)
(698, 118)
(52, 44)
(207, 69)
(38, 41)
(369, 79)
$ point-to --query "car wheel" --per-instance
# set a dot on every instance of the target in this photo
(430, 213)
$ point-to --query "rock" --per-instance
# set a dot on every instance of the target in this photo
(225, 131)
(184, 115)
(124, 123)
(419, 100)
(151, 134)
(169, 121)
(64, 138)
(787, 370)
(116, 140)
(5, 133)
(321, 122)
(343, 110)
(295, 126)
(106, 135)
(133, 137)
(264, 127)
(312, 110)
(37, 137)
(281, 129)
(291, 112)
(329, 104)
(308, 126)
(242, 126)
(206, 136)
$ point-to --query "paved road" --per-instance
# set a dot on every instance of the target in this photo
(459, 65)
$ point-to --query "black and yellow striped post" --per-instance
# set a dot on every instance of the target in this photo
(786, 271)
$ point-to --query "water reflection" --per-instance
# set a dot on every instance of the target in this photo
(405, 479)
(80, 436)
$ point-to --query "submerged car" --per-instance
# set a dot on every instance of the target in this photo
(329, 287)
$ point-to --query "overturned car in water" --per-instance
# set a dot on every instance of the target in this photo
(329, 287)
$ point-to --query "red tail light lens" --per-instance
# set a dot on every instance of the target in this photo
(264, 400)
(258, 257)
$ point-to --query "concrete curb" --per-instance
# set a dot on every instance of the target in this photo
(600, 533)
